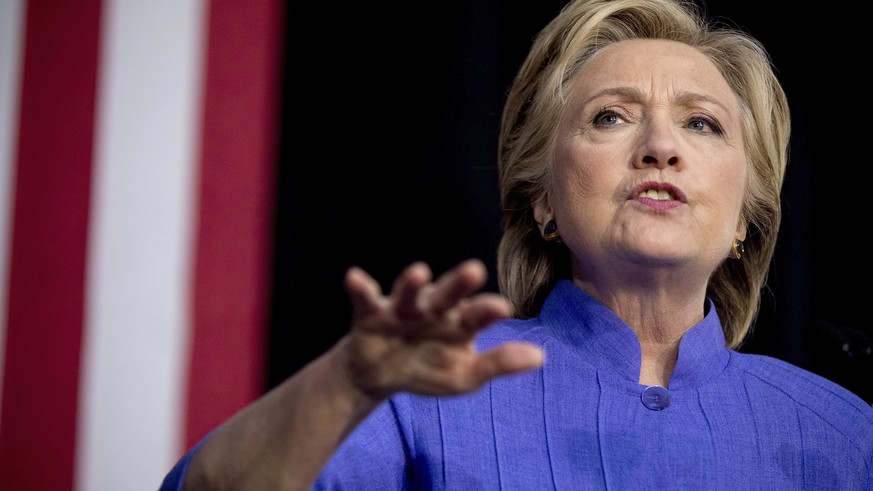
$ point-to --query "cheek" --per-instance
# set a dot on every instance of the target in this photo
(727, 190)
(583, 174)
(734, 183)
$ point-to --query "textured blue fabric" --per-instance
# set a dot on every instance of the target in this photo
(735, 421)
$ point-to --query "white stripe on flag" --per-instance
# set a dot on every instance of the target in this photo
(11, 33)
(135, 347)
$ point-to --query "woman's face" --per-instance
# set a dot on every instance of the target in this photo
(650, 168)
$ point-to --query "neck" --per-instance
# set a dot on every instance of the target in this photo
(659, 317)
(657, 362)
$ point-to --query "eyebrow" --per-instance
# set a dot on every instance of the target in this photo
(683, 98)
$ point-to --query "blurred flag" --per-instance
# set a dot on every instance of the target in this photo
(138, 146)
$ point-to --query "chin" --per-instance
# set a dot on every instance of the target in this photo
(662, 257)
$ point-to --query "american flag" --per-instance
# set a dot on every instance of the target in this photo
(137, 166)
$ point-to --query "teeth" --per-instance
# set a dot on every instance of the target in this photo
(656, 194)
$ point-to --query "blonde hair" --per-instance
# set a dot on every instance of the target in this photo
(527, 265)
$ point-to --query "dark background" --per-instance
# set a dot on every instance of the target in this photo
(388, 156)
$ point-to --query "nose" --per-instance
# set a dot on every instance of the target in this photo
(658, 146)
(664, 162)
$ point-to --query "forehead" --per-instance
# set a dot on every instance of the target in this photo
(654, 64)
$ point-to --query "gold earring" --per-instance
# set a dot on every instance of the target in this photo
(550, 231)
(738, 248)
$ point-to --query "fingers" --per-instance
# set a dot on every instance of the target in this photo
(363, 291)
(415, 295)
(448, 308)
(507, 359)
(366, 296)
(447, 371)
(460, 282)
(484, 310)
(408, 287)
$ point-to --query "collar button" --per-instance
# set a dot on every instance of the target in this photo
(655, 397)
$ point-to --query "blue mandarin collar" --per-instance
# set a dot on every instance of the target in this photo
(609, 344)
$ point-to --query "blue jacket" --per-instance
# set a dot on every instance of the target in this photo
(582, 421)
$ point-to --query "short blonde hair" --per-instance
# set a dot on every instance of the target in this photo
(527, 265)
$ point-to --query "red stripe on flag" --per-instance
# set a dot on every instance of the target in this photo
(48, 245)
(235, 220)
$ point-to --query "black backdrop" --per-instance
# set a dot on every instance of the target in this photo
(387, 156)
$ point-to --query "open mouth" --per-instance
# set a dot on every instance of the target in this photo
(656, 194)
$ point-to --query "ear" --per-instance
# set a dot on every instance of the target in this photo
(542, 211)
(742, 228)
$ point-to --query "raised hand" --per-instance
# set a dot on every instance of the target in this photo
(420, 337)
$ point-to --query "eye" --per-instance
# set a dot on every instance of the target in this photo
(704, 124)
(607, 117)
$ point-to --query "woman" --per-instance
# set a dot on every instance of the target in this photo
(642, 155)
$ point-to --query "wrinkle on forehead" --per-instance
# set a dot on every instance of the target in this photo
(680, 97)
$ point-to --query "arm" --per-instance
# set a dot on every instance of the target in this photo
(419, 338)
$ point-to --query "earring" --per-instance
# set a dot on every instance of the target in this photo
(738, 248)
(550, 231)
